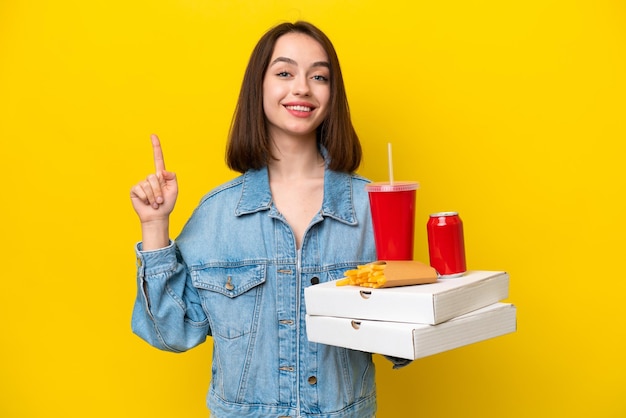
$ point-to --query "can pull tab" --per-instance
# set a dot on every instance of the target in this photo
(365, 294)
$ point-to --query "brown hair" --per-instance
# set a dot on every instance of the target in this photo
(249, 142)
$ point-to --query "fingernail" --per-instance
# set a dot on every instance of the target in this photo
(159, 200)
(155, 205)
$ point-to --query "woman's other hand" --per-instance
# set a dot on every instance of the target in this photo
(154, 198)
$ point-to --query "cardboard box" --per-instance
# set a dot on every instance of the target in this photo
(413, 341)
(426, 303)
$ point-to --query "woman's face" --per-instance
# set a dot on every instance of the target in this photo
(296, 87)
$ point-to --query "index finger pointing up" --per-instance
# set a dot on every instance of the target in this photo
(159, 163)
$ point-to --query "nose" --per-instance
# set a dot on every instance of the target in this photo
(300, 86)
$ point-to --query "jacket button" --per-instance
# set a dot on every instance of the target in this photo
(312, 380)
(315, 280)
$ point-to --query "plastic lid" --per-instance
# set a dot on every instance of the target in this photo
(397, 186)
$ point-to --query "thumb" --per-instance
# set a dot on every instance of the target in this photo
(168, 175)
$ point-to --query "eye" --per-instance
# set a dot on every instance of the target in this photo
(283, 74)
(320, 78)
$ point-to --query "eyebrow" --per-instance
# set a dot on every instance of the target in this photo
(293, 62)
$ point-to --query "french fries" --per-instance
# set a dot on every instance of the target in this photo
(366, 275)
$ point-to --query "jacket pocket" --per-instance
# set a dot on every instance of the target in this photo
(231, 297)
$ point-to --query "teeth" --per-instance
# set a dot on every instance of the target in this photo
(299, 108)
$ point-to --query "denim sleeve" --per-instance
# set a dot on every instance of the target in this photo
(167, 313)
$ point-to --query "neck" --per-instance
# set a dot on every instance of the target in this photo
(296, 158)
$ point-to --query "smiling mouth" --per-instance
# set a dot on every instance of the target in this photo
(300, 108)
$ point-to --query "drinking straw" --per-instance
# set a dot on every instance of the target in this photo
(390, 163)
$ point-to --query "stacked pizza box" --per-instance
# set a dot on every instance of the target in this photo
(411, 321)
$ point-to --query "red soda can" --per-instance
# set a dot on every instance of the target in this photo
(446, 246)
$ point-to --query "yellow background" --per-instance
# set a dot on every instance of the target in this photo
(510, 112)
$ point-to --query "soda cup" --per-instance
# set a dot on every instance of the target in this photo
(393, 215)
(446, 246)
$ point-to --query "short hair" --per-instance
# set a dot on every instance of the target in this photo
(249, 141)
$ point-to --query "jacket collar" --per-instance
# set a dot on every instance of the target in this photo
(338, 199)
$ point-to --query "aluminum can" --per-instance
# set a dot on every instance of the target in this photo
(446, 245)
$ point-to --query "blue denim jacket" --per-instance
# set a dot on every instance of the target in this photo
(234, 273)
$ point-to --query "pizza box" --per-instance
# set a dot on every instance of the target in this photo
(413, 341)
(431, 303)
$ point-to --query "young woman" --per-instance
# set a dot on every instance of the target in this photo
(297, 216)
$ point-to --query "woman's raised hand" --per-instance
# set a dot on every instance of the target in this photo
(154, 198)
